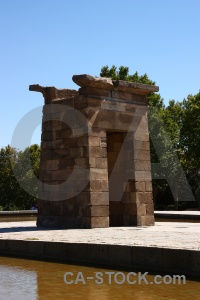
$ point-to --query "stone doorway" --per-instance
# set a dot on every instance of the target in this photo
(122, 210)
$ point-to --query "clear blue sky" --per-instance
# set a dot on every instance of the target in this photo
(47, 41)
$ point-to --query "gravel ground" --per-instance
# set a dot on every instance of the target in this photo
(175, 235)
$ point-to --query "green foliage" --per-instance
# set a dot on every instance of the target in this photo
(16, 173)
(190, 131)
(123, 74)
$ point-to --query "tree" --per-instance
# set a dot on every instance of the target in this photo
(190, 141)
(8, 156)
(190, 131)
(16, 173)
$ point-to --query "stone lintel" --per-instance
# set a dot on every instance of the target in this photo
(93, 81)
(117, 85)
(135, 87)
(50, 92)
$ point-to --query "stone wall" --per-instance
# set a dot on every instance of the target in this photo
(95, 159)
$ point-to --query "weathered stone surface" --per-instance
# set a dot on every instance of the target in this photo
(100, 211)
(93, 81)
(101, 133)
(140, 186)
(135, 87)
(140, 99)
(145, 198)
(109, 84)
(99, 222)
(51, 93)
(146, 221)
(100, 198)
(96, 92)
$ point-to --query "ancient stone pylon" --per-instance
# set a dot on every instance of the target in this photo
(95, 159)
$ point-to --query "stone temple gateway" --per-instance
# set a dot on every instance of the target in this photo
(95, 158)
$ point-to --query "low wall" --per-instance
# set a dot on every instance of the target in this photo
(165, 216)
(145, 259)
(177, 216)
(18, 216)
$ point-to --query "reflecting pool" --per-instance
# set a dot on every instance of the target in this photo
(29, 279)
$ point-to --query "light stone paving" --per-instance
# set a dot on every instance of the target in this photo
(174, 235)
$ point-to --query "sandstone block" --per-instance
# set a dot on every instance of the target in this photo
(113, 105)
(69, 210)
(99, 132)
(142, 165)
(99, 222)
(133, 197)
(50, 164)
(100, 211)
(51, 125)
(142, 155)
(129, 97)
(64, 134)
(140, 186)
(141, 209)
(103, 142)
(150, 209)
(77, 152)
(130, 209)
(97, 152)
(99, 198)
(141, 136)
(98, 174)
(93, 81)
(80, 102)
(84, 211)
(101, 163)
(70, 142)
(95, 185)
(66, 163)
(148, 185)
(94, 141)
(145, 221)
(94, 91)
(139, 145)
(82, 162)
(145, 197)
(135, 87)
(49, 135)
(83, 140)
(83, 199)
(104, 185)
(53, 144)
(142, 175)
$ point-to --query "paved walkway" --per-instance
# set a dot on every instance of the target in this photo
(172, 235)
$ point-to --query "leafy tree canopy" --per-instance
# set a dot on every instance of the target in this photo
(17, 170)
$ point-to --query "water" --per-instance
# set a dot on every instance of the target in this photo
(30, 280)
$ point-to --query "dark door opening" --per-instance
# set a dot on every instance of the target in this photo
(122, 208)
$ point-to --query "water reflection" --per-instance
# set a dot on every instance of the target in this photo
(17, 283)
(26, 279)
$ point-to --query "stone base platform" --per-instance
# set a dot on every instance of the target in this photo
(166, 248)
